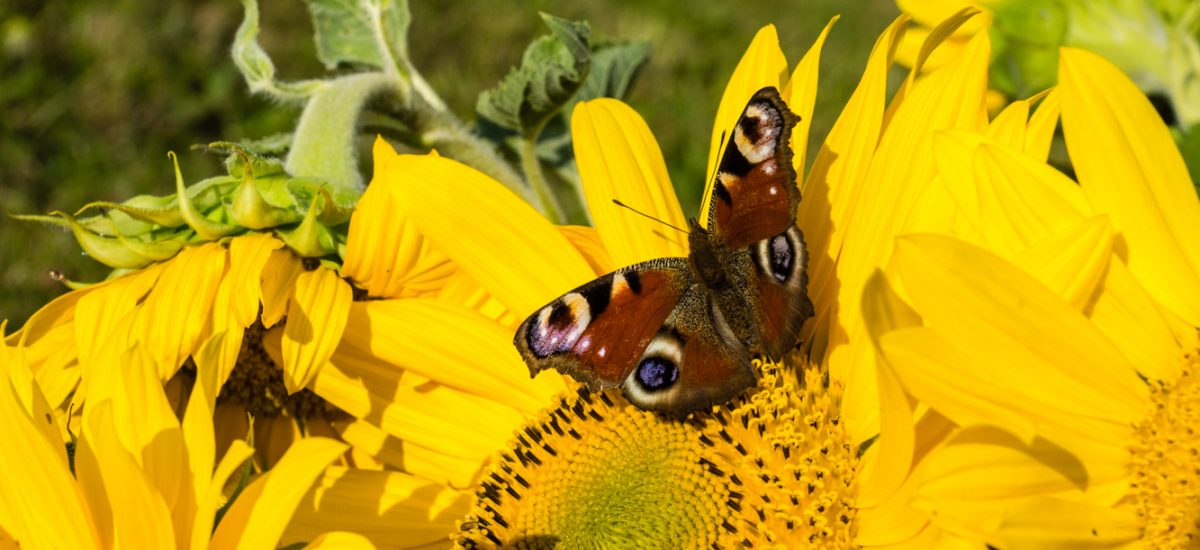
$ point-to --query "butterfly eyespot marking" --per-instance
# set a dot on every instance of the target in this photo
(777, 255)
(656, 374)
(756, 134)
(559, 325)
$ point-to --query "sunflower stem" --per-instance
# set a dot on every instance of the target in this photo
(537, 180)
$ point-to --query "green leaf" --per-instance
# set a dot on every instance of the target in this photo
(614, 66)
(552, 70)
(370, 32)
(256, 66)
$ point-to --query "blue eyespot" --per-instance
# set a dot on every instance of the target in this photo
(656, 374)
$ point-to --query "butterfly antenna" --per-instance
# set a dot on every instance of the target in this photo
(636, 211)
(721, 146)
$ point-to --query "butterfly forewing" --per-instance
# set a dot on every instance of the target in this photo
(754, 194)
(598, 332)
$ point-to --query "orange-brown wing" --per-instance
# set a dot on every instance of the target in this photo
(598, 332)
(649, 328)
(694, 362)
(755, 195)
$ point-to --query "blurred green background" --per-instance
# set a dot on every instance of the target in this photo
(94, 94)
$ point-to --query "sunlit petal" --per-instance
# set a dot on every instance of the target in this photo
(314, 326)
(259, 516)
(1131, 170)
(619, 159)
(477, 223)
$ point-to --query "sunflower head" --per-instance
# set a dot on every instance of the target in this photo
(771, 467)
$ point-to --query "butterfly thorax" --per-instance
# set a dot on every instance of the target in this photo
(704, 257)
(716, 265)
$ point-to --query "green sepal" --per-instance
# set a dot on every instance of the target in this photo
(552, 69)
(106, 250)
(163, 211)
(156, 250)
(336, 204)
(251, 210)
(206, 228)
(310, 239)
(369, 32)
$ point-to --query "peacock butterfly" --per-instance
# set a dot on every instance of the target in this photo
(677, 333)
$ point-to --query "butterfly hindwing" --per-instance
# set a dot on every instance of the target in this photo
(781, 279)
(754, 194)
(694, 361)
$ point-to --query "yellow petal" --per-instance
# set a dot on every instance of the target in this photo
(935, 41)
(1071, 263)
(426, 337)
(900, 174)
(931, 12)
(619, 159)
(140, 516)
(248, 256)
(392, 509)
(1125, 313)
(148, 430)
(461, 290)
(1130, 168)
(259, 516)
(983, 471)
(385, 254)
(200, 443)
(432, 415)
(232, 461)
(340, 540)
(1008, 128)
(1060, 523)
(316, 319)
(490, 233)
(948, 379)
(800, 93)
(40, 504)
(589, 243)
(278, 283)
(831, 190)
(983, 303)
(884, 312)
(175, 315)
(30, 396)
(48, 338)
(410, 457)
(762, 65)
(1021, 200)
(1040, 132)
(99, 311)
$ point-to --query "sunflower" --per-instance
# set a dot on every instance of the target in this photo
(136, 477)
(1062, 336)
(818, 453)
(198, 315)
